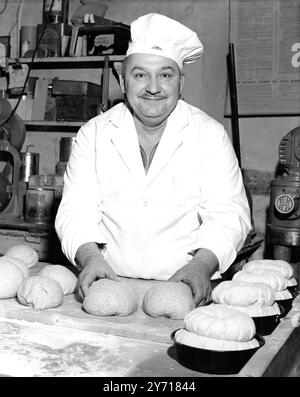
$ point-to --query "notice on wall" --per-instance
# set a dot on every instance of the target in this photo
(266, 37)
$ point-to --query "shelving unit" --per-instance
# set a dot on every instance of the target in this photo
(64, 62)
(102, 61)
(53, 126)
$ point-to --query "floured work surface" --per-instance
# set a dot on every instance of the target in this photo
(71, 315)
(30, 349)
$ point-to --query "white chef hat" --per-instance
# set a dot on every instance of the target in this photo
(159, 35)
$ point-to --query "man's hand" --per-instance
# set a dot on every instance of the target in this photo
(197, 274)
(94, 267)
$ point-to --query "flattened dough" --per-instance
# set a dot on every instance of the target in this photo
(107, 297)
(169, 299)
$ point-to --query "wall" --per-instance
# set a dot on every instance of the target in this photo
(205, 81)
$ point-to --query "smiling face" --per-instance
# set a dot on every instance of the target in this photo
(152, 84)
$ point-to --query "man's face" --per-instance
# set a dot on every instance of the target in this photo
(152, 84)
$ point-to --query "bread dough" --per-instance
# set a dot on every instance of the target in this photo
(240, 293)
(256, 311)
(270, 277)
(278, 265)
(40, 292)
(21, 265)
(24, 252)
(107, 297)
(62, 275)
(291, 282)
(282, 295)
(169, 299)
(203, 342)
(10, 278)
(220, 322)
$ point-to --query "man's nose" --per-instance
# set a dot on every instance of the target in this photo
(153, 86)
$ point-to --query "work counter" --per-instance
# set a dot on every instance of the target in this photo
(66, 341)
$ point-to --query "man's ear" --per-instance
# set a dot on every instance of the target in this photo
(181, 83)
(122, 82)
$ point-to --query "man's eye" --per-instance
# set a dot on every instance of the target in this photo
(166, 75)
(139, 76)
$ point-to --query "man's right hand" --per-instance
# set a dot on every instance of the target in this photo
(94, 267)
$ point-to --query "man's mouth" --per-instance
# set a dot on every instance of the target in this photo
(153, 98)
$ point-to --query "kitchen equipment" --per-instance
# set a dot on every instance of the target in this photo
(55, 39)
(12, 136)
(30, 164)
(28, 40)
(75, 100)
(283, 225)
(59, 11)
(39, 205)
(213, 361)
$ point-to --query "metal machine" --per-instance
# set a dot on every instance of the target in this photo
(12, 136)
(283, 227)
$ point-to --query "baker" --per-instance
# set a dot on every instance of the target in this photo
(152, 188)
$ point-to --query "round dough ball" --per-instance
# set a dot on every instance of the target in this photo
(270, 277)
(107, 297)
(280, 266)
(40, 292)
(18, 262)
(62, 275)
(203, 342)
(239, 293)
(10, 278)
(220, 322)
(25, 253)
(168, 299)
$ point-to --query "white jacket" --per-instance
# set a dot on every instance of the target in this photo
(192, 196)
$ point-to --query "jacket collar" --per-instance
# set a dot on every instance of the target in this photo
(125, 139)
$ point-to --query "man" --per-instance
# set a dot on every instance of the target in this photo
(152, 188)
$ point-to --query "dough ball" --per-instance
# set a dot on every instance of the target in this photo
(278, 265)
(256, 311)
(107, 297)
(220, 322)
(270, 277)
(169, 299)
(18, 262)
(10, 278)
(25, 253)
(40, 292)
(239, 293)
(62, 275)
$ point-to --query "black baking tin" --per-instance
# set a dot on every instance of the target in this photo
(212, 361)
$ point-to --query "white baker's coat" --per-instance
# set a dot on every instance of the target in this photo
(192, 196)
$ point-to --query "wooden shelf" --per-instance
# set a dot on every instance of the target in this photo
(64, 62)
(54, 126)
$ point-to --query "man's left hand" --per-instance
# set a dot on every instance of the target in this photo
(197, 274)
